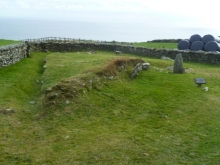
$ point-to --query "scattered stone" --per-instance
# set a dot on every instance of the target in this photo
(118, 52)
(9, 109)
(53, 96)
(206, 89)
(145, 66)
(169, 68)
(166, 58)
(178, 64)
(48, 90)
(67, 101)
(111, 77)
(92, 52)
(189, 70)
(44, 67)
(67, 137)
(32, 102)
(50, 103)
(137, 69)
(145, 154)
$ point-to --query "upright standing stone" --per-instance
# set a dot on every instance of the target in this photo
(178, 64)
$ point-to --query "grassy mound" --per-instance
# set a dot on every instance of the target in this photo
(92, 79)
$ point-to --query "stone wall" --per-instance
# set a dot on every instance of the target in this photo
(13, 53)
(69, 47)
(188, 56)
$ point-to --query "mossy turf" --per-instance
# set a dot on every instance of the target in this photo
(157, 118)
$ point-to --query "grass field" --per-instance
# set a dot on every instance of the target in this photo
(157, 45)
(157, 118)
(8, 42)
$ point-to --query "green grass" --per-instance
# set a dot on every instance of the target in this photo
(19, 82)
(8, 42)
(157, 118)
(156, 45)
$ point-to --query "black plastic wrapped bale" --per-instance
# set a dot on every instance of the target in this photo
(212, 46)
(196, 46)
(183, 45)
(208, 37)
(195, 37)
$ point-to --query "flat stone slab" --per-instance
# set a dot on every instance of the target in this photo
(200, 81)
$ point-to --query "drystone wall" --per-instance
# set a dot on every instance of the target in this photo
(13, 53)
(69, 47)
(188, 56)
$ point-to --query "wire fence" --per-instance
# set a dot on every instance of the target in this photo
(72, 40)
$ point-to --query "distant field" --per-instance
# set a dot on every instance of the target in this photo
(8, 42)
(158, 45)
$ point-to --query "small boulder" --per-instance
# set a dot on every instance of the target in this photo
(145, 66)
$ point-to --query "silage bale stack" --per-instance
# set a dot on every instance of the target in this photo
(194, 43)
(197, 43)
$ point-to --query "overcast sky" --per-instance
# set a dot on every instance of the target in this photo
(184, 13)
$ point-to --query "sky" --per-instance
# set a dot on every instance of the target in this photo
(187, 13)
(134, 19)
